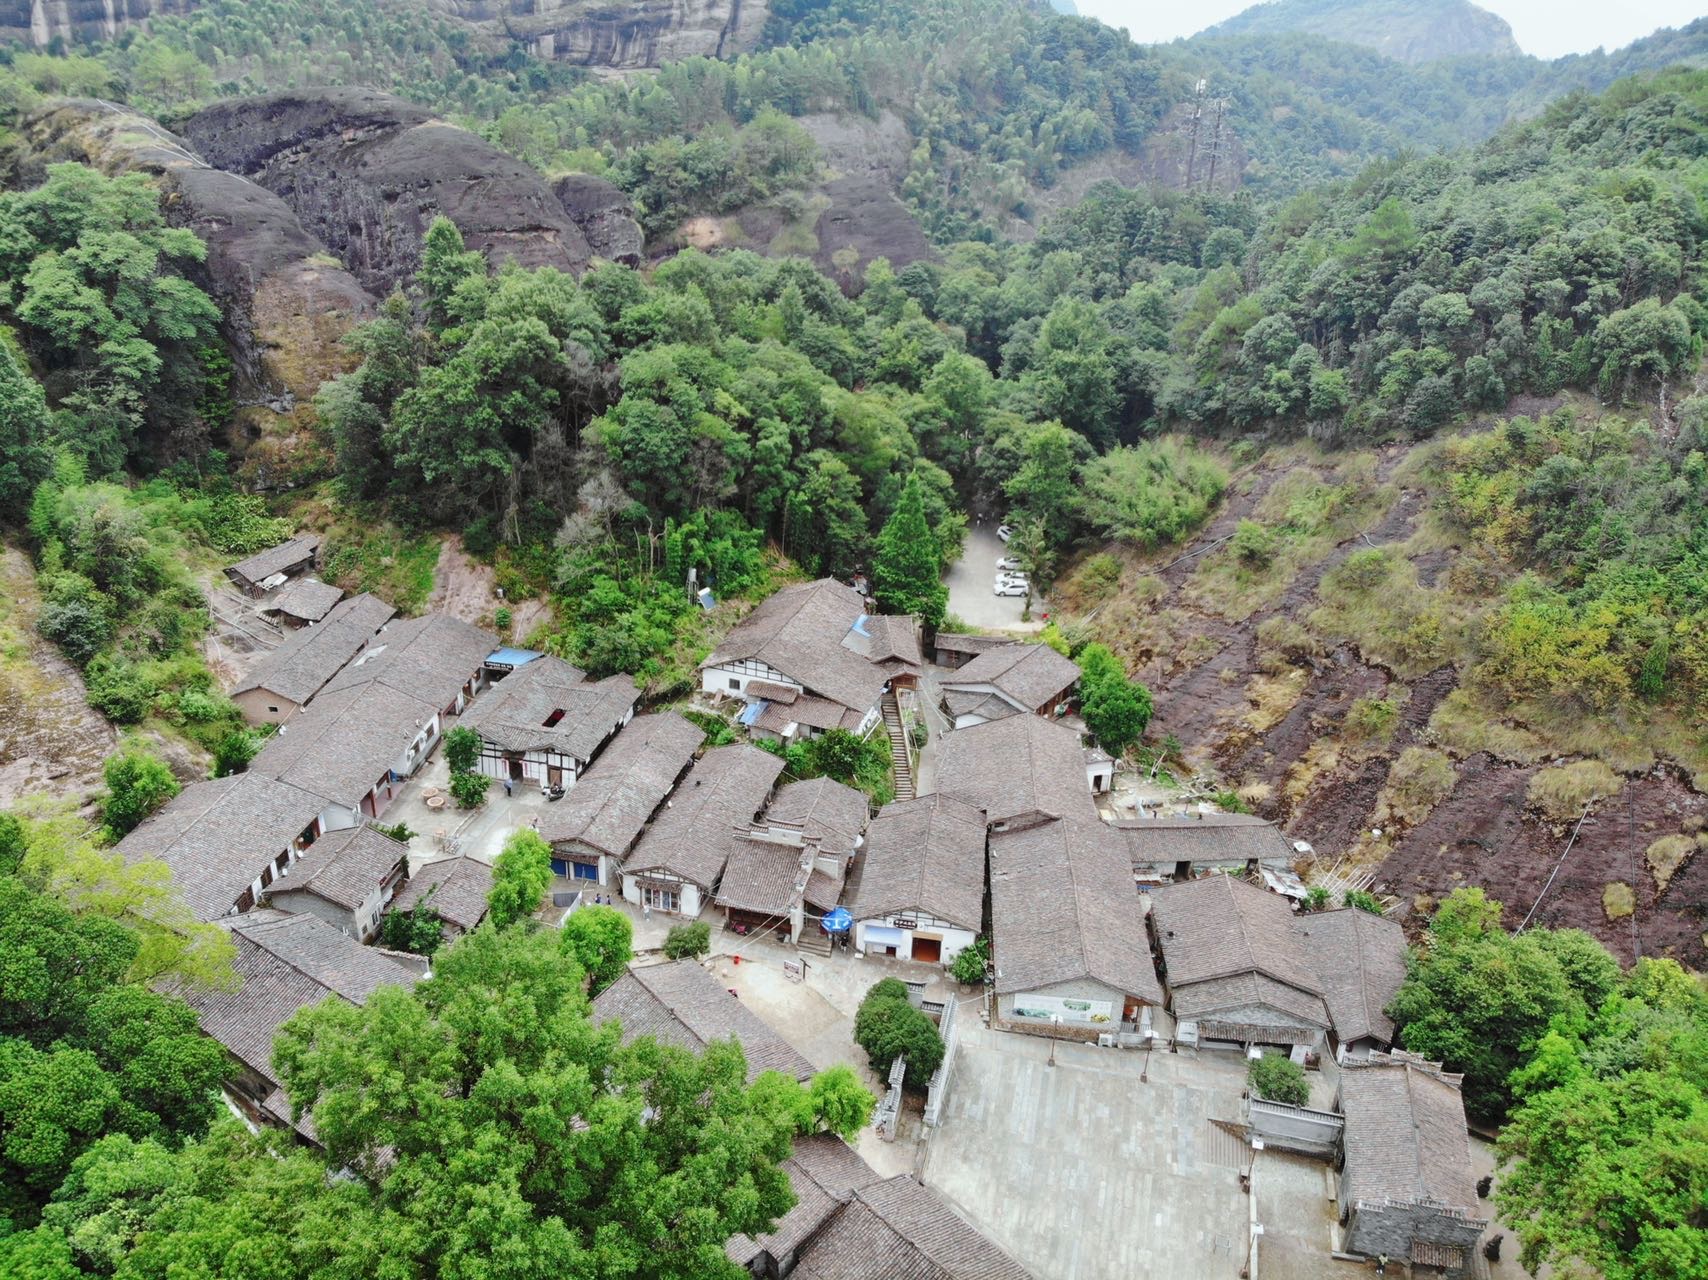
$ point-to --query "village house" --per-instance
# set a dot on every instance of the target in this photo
(1239, 973)
(227, 840)
(1182, 848)
(1009, 680)
(266, 570)
(284, 963)
(1016, 767)
(680, 1003)
(1360, 960)
(346, 878)
(1407, 1189)
(546, 722)
(286, 679)
(811, 658)
(1067, 930)
(376, 722)
(454, 889)
(789, 867)
(592, 829)
(677, 865)
(824, 1173)
(954, 649)
(304, 601)
(918, 893)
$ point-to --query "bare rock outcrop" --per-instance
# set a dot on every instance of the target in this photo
(41, 22)
(605, 215)
(368, 173)
(632, 36)
(287, 303)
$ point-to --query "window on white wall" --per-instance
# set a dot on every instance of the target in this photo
(734, 683)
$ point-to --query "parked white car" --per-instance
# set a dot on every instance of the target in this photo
(1005, 531)
(1009, 587)
(1008, 564)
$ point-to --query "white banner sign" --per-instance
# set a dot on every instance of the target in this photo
(1066, 1008)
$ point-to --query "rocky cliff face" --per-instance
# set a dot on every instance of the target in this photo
(600, 33)
(287, 302)
(594, 33)
(1405, 30)
(367, 173)
(39, 22)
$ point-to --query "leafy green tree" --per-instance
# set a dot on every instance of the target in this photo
(593, 1155)
(601, 939)
(1043, 489)
(418, 930)
(24, 457)
(906, 577)
(520, 878)
(233, 752)
(688, 941)
(838, 1103)
(1279, 1079)
(462, 749)
(825, 520)
(137, 784)
(886, 1026)
(969, 963)
(1152, 494)
(1116, 709)
(1478, 999)
(469, 789)
(445, 265)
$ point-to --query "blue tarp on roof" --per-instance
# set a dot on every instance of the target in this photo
(860, 626)
(751, 712)
(511, 658)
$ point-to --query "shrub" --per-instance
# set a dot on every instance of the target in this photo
(137, 785)
(1253, 545)
(400, 832)
(417, 930)
(233, 752)
(969, 963)
(1279, 1080)
(719, 732)
(469, 789)
(1317, 898)
(502, 619)
(119, 690)
(686, 941)
(462, 749)
(1363, 900)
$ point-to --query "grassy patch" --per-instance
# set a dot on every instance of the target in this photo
(1371, 720)
(1373, 599)
(1618, 900)
(390, 564)
(1419, 780)
(1561, 793)
(1283, 642)
(1666, 855)
(1272, 697)
(1464, 726)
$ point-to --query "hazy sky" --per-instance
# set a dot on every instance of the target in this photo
(1546, 28)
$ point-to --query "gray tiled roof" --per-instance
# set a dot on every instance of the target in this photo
(285, 963)
(455, 889)
(308, 658)
(1215, 837)
(960, 642)
(1029, 674)
(1064, 907)
(823, 1172)
(927, 855)
(307, 599)
(1360, 960)
(681, 1004)
(830, 814)
(429, 658)
(550, 705)
(816, 713)
(1218, 929)
(611, 803)
(343, 742)
(1226, 997)
(760, 875)
(264, 564)
(691, 837)
(344, 867)
(1015, 766)
(1405, 1132)
(217, 837)
(986, 706)
(819, 635)
(899, 1230)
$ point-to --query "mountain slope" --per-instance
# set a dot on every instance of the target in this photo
(1413, 31)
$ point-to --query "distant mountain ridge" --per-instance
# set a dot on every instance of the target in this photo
(1411, 31)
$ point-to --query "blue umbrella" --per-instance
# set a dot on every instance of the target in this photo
(838, 921)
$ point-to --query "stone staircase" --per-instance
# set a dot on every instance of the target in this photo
(900, 761)
(813, 939)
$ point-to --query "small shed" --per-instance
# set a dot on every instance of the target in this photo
(304, 601)
(266, 570)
